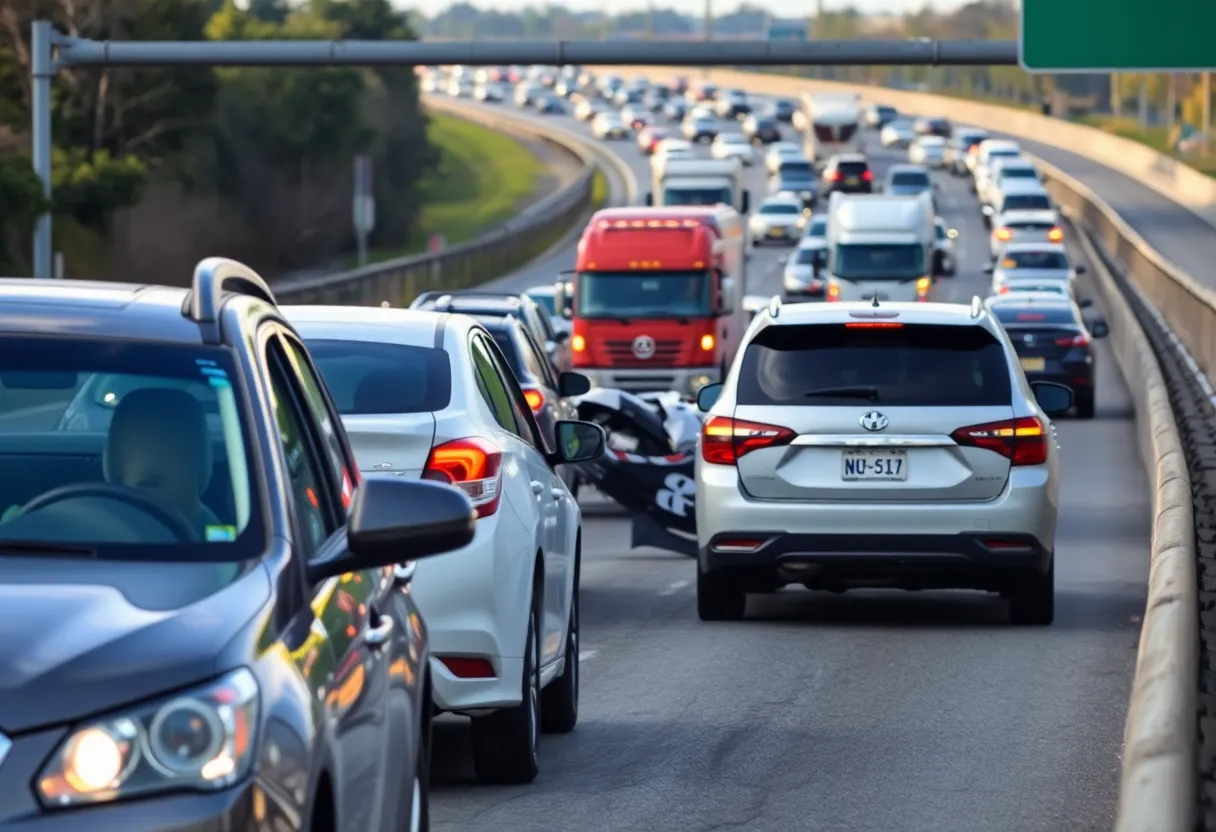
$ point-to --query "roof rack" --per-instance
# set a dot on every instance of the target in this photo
(213, 278)
(774, 306)
(443, 298)
(977, 306)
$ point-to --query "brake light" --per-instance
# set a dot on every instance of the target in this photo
(474, 466)
(1004, 234)
(1021, 441)
(535, 399)
(724, 440)
(873, 325)
(1073, 341)
(833, 292)
(834, 176)
(1003, 290)
(1056, 235)
(867, 176)
(578, 343)
(467, 667)
(707, 343)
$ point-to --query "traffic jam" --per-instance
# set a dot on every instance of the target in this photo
(287, 539)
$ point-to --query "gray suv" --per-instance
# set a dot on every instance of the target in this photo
(900, 446)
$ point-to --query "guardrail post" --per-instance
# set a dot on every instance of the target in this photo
(42, 70)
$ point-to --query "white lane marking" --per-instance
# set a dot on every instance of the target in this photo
(583, 655)
(674, 587)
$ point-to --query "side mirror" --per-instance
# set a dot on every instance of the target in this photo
(952, 234)
(1080, 269)
(561, 336)
(747, 202)
(989, 269)
(939, 264)
(1055, 399)
(394, 520)
(708, 396)
(572, 384)
(1085, 303)
(650, 198)
(1099, 329)
(578, 441)
(986, 210)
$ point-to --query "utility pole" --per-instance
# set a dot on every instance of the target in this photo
(1170, 105)
(1206, 130)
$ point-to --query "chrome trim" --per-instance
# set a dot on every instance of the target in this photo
(829, 440)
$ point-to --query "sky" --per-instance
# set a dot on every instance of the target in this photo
(780, 8)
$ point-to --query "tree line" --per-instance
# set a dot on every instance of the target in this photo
(154, 168)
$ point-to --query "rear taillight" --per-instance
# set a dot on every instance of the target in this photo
(1021, 441)
(867, 176)
(535, 399)
(1004, 234)
(834, 176)
(1003, 290)
(474, 466)
(1073, 341)
(1056, 235)
(724, 440)
(833, 292)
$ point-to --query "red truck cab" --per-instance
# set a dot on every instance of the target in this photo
(657, 297)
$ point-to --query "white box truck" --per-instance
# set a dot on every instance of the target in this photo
(700, 182)
(831, 123)
(880, 246)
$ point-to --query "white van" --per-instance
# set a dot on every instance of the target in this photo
(831, 123)
(880, 246)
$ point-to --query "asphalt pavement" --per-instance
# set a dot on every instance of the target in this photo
(871, 711)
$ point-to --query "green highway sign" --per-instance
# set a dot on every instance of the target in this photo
(1118, 35)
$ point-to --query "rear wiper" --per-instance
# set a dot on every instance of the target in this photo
(870, 393)
(34, 547)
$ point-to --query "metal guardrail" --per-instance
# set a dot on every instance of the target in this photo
(524, 237)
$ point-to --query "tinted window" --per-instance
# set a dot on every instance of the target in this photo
(1032, 315)
(1034, 260)
(906, 366)
(796, 170)
(1026, 202)
(505, 338)
(862, 261)
(808, 256)
(657, 294)
(852, 168)
(780, 208)
(318, 405)
(1003, 154)
(696, 196)
(491, 386)
(1018, 173)
(368, 378)
(910, 178)
(818, 228)
(545, 301)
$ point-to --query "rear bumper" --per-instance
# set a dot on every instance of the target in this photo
(684, 380)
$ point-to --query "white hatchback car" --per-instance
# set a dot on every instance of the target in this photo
(897, 446)
(429, 395)
(733, 146)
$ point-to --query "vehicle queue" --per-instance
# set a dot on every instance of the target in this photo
(319, 527)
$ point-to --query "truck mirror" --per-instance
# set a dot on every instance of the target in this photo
(747, 202)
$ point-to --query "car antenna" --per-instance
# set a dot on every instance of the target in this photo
(874, 302)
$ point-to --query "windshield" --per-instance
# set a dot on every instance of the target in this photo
(1034, 260)
(546, 301)
(913, 178)
(780, 208)
(796, 170)
(646, 295)
(369, 378)
(878, 261)
(697, 196)
(1026, 202)
(817, 228)
(125, 449)
(808, 256)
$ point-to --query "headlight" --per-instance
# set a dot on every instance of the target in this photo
(201, 739)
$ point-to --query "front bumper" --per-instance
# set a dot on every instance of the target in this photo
(684, 380)
(777, 234)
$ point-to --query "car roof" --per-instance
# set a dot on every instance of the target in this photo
(783, 198)
(957, 314)
(848, 157)
(544, 291)
(97, 308)
(1001, 144)
(1014, 162)
(739, 136)
(369, 323)
(906, 167)
(1023, 186)
(1014, 247)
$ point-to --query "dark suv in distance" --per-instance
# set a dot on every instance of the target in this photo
(848, 174)
(1053, 342)
(203, 604)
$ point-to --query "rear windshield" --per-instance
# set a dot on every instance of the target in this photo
(369, 378)
(1024, 315)
(796, 170)
(818, 228)
(1027, 202)
(780, 208)
(852, 167)
(1004, 154)
(917, 365)
(1034, 260)
(909, 178)
(1048, 288)
(1018, 173)
(808, 256)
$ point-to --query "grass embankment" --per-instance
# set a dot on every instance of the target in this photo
(1158, 138)
(480, 181)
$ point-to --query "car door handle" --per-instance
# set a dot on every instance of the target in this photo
(537, 488)
(377, 635)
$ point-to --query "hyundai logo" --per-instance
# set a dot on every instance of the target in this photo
(643, 347)
(873, 421)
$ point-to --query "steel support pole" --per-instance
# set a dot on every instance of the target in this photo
(42, 70)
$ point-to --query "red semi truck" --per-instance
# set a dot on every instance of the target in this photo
(657, 297)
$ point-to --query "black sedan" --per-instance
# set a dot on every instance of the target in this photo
(783, 109)
(762, 129)
(1053, 342)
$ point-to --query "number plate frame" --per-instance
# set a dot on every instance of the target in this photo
(1033, 364)
(871, 456)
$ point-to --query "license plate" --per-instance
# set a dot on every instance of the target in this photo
(852, 180)
(1033, 365)
(891, 466)
(776, 232)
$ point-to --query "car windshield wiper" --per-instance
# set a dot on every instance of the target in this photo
(870, 393)
(37, 547)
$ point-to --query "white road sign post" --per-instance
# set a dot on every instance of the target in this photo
(363, 205)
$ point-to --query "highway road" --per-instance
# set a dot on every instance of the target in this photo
(867, 711)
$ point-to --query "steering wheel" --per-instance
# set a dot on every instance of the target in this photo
(132, 497)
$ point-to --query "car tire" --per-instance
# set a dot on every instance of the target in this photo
(559, 701)
(719, 597)
(420, 805)
(506, 743)
(1032, 599)
(1085, 405)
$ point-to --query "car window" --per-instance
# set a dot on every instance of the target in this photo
(525, 424)
(542, 318)
(345, 475)
(372, 378)
(490, 384)
(852, 168)
(918, 365)
(940, 231)
(311, 499)
(163, 422)
(1035, 315)
(909, 178)
(1026, 202)
(537, 362)
(780, 208)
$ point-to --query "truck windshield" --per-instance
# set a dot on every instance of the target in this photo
(1026, 202)
(878, 261)
(645, 295)
(708, 195)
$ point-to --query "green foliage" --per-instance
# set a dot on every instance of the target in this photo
(92, 186)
